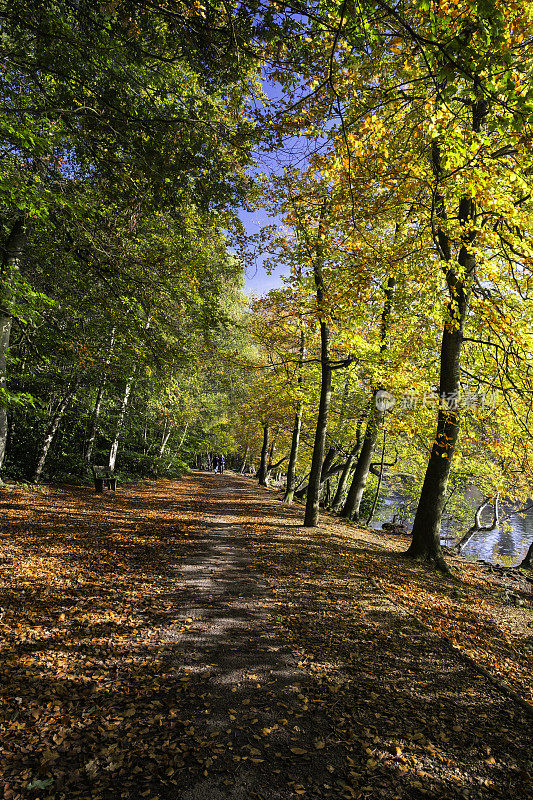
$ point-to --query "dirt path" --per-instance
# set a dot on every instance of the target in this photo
(247, 692)
(191, 640)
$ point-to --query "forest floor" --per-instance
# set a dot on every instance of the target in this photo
(191, 640)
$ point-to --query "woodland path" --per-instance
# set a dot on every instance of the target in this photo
(191, 640)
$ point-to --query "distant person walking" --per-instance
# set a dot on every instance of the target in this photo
(219, 464)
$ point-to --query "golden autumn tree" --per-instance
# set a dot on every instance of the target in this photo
(423, 111)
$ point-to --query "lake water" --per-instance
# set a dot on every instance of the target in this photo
(506, 545)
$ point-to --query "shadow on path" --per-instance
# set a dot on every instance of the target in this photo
(190, 640)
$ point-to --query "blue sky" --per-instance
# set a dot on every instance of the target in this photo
(257, 280)
(294, 151)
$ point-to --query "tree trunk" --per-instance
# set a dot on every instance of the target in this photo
(270, 459)
(328, 471)
(378, 487)
(527, 563)
(425, 544)
(312, 504)
(166, 436)
(5, 332)
(375, 420)
(120, 423)
(348, 466)
(94, 423)
(52, 430)
(327, 464)
(288, 497)
(11, 263)
(184, 434)
(477, 527)
(97, 405)
(352, 505)
(262, 475)
(244, 460)
(313, 487)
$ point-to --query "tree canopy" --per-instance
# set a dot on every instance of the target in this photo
(400, 348)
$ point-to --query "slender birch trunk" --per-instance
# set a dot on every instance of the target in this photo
(288, 497)
(94, 423)
(313, 487)
(120, 424)
(243, 465)
(52, 430)
(183, 436)
(11, 263)
(122, 413)
(270, 460)
(167, 430)
(5, 332)
(98, 403)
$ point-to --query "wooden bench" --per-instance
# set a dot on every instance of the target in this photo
(103, 477)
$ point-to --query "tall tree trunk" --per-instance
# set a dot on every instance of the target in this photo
(11, 263)
(123, 408)
(272, 450)
(5, 332)
(288, 497)
(94, 422)
(313, 487)
(98, 403)
(324, 476)
(120, 424)
(166, 436)
(312, 504)
(425, 544)
(352, 505)
(244, 460)
(327, 464)
(183, 435)
(375, 420)
(263, 467)
(378, 487)
(348, 466)
(52, 430)
(527, 562)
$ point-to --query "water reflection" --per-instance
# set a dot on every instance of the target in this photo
(505, 545)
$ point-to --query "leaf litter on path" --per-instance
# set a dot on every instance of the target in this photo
(189, 639)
